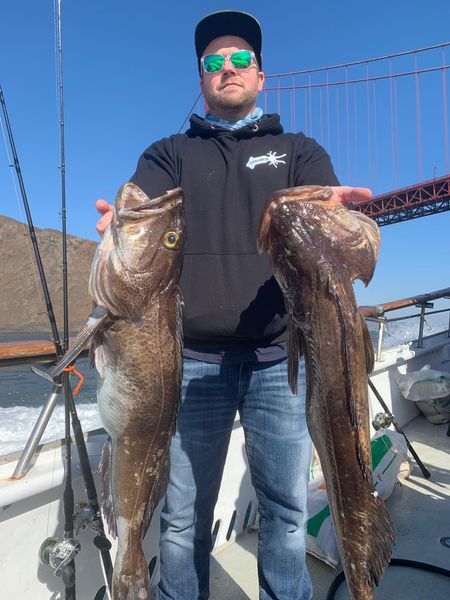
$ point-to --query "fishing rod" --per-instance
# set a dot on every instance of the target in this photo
(68, 497)
(37, 254)
(54, 552)
(57, 388)
(89, 515)
(389, 418)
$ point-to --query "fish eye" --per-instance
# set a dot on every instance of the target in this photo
(171, 239)
(287, 250)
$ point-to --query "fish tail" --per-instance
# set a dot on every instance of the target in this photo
(131, 579)
(367, 546)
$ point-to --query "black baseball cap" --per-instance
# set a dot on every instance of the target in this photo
(228, 22)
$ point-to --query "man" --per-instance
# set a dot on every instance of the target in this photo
(235, 321)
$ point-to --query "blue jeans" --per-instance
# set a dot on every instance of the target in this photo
(278, 449)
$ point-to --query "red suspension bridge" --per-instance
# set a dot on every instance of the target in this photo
(384, 122)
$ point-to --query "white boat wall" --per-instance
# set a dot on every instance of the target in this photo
(32, 507)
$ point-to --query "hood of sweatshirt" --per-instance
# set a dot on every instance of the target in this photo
(266, 124)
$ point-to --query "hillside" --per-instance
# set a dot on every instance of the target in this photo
(22, 306)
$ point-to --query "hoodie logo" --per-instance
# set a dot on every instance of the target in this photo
(271, 158)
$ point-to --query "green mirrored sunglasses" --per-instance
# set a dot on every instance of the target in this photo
(213, 63)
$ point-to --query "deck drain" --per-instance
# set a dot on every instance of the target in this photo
(445, 541)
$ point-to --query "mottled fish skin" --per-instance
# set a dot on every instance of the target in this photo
(317, 249)
(138, 355)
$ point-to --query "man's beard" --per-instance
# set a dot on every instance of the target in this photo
(231, 104)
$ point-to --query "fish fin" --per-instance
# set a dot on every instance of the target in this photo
(349, 329)
(107, 499)
(368, 346)
(295, 351)
(381, 532)
(94, 322)
(157, 493)
(179, 351)
(359, 242)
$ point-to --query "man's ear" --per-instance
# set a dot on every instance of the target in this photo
(261, 79)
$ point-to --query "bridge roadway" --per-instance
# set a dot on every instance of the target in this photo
(422, 199)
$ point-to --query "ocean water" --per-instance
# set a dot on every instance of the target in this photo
(23, 393)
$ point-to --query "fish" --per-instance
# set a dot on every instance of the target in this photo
(136, 332)
(317, 248)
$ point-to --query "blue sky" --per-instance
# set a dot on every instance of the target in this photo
(130, 77)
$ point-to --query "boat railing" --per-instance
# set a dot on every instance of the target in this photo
(42, 351)
(424, 302)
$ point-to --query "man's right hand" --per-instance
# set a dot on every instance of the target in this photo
(106, 210)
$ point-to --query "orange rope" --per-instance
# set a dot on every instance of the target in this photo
(71, 369)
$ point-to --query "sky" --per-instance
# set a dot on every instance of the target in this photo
(130, 78)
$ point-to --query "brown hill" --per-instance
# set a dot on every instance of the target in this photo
(22, 306)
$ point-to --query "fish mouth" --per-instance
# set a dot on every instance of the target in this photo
(145, 205)
(294, 194)
(264, 239)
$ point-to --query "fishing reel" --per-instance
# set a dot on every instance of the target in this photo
(381, 421)
(58, 554)
(85, 518)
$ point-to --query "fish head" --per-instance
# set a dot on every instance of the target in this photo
(141, 252)
(148, 233)
(304, 229)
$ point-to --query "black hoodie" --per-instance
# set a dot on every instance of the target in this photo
(233, 307)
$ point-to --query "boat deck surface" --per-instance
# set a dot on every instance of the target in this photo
(421, 511)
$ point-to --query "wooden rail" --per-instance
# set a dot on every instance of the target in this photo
(43, 351)
(380, 309)
(29, 352)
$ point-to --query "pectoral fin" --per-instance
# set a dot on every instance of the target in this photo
(362, 254)
(93, 324)
(368, 346)
(107, 498)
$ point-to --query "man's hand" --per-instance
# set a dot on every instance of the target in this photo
(106, 210)
(348, 195)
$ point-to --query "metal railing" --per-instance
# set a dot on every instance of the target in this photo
(376, 314)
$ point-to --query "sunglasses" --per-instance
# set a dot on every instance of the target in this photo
(213, 63)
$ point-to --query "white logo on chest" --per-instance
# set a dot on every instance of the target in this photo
(270, 158)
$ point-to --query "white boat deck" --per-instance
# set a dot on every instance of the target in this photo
(421, 511)
(31, 509)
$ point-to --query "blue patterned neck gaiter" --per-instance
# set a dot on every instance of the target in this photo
(251, 118)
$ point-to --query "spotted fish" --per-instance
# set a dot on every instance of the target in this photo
(137, 339)
(317, 249)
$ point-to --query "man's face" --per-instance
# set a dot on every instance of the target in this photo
(231, 93)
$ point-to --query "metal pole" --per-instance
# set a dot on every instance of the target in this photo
(36, 434)
(380, 339)
(421, 324)
(423, 307)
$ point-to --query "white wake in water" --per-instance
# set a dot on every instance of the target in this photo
(17, 423)
(400, 332)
